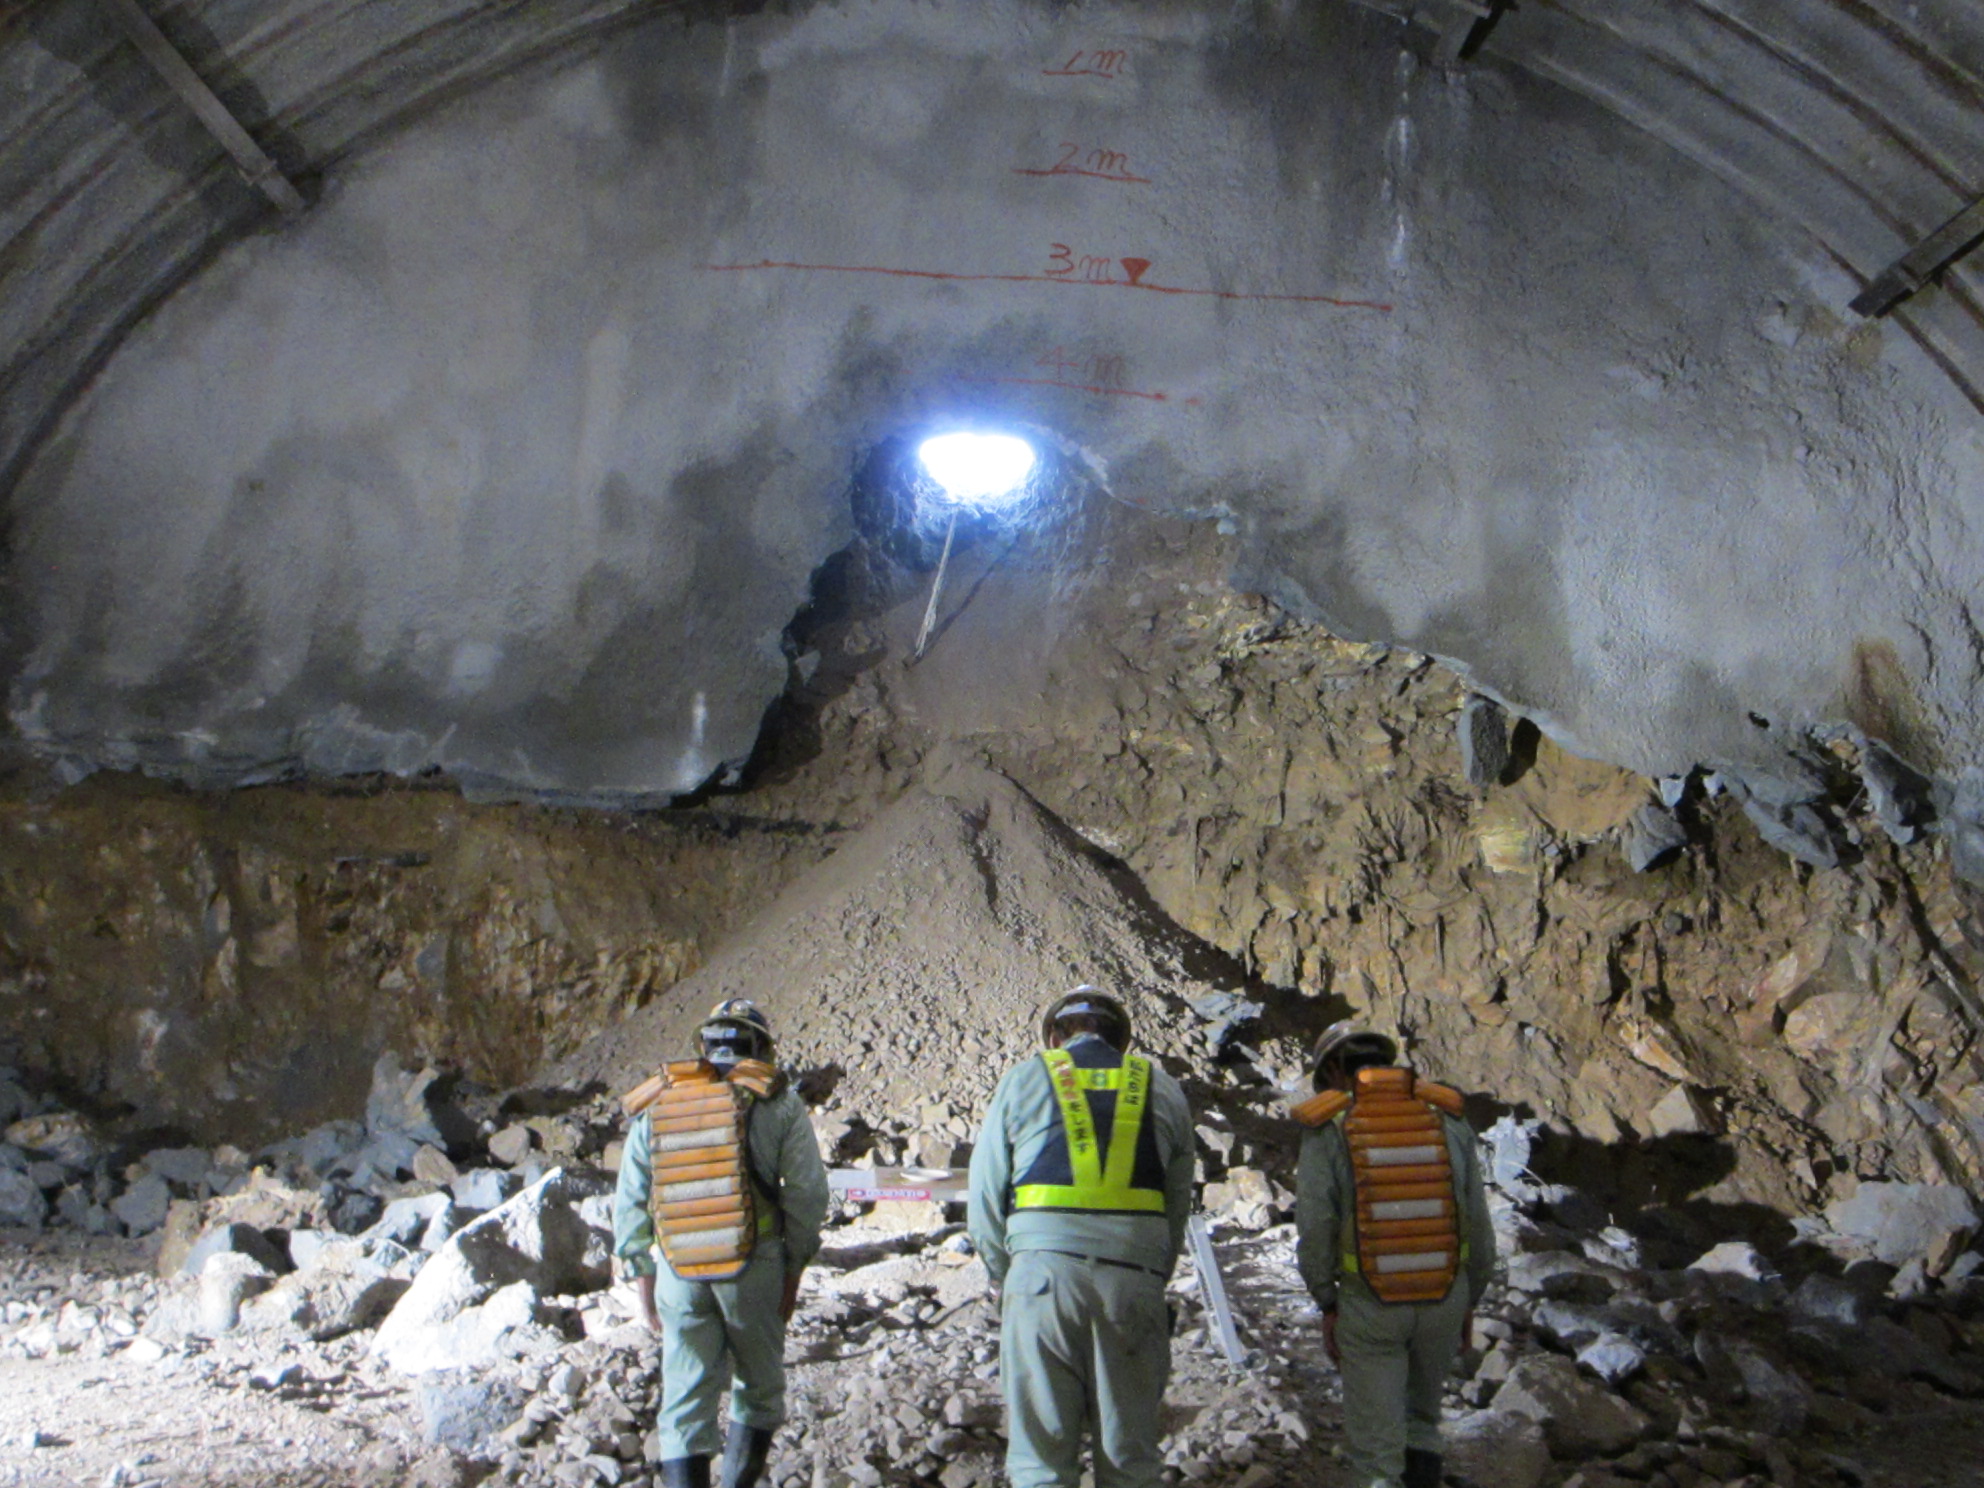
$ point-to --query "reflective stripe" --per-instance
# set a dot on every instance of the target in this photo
(1101, 1183)
(702, 1188)
(678, 1141)
(1409, 1209)
(1392, 1157)
(1424, 1260)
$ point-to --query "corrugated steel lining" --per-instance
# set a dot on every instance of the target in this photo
(1860, 120)
(97, 231)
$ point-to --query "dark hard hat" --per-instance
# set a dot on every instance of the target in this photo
(1086, 1000)
(736, 1029)
(1341, 1041)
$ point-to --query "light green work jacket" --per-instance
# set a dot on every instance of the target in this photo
(1325, 1201)
(1023, 1117)
(785, 1160)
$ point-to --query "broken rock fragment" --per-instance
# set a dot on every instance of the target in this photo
(1497, 1449)
(1483, 731)
(1578, 1418)
(479, 1296)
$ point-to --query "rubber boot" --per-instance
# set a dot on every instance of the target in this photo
(1422, 1468)
(686, 1472)
(744, 1454)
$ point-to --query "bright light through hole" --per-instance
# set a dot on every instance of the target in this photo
(984, 469)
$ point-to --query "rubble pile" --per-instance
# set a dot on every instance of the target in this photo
(908, 971)
(428, 1293)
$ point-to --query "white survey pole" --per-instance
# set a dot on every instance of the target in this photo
(1213, 1287)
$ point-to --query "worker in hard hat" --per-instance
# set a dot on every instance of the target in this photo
(1395, 1244)
(722, 1173)
(1081, 1182)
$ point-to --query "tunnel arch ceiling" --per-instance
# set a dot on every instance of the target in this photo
(515, 454)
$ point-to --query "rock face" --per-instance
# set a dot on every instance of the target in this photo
(1579, 1420)
(1897, 1223)
(1497, 1449)
(481, 1294)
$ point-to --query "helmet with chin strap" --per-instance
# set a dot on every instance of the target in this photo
(1347, 1047)
(1087, 1002)
(736, 1029)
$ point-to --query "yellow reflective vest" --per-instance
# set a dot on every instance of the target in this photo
(1096, 1181)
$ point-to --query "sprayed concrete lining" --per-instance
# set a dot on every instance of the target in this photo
(515, 458)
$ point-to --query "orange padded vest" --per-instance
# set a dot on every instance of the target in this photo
(1405, 1235)
(707, 1218)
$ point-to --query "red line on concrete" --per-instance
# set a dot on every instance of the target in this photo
(1075, 170)
(1084, 387)
(1165, 289)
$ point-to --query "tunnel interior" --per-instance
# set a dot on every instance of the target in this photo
(1498, 565)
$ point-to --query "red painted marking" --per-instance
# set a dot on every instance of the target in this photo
(1075, 170)
(1097, 165)
(1106, 64)
(1085, 387)
(1381, 306)
(1135, 267)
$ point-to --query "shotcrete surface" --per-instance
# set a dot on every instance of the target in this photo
(517, 454)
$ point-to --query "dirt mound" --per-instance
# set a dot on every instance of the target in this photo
(910, 968)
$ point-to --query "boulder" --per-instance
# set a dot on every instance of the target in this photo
(482, 1189)
(534, 1244)
(320, 1148)
(1613, 1357)
(1902, 798)
(186, 1168)
(1682, 1112)
(431, 1165)
(465, 1411)
(1899, 1222)
(22, 1206)
(1734, 1258)
(1482, 731)
(415, 1105)
(446, 1221)
(233, 1239)
(1653, 835)
(59, 1136)
(1578, 1418)
(141, 1208)
(1778, 1400)
(343, 1291)
(1246, 1198)
(512, 1144)
(1497, 1449)
(406, 1220)
(227, 1280)
(1827, 1299)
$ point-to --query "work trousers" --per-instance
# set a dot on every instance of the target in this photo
(718, 1332)
(1083, 1345)
(1396, 1358)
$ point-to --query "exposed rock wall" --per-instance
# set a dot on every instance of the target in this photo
(233, 965)
(1731, 1025)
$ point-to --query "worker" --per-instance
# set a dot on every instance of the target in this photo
(722, 1173)
(1394, 1242)
(1081, 1183)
